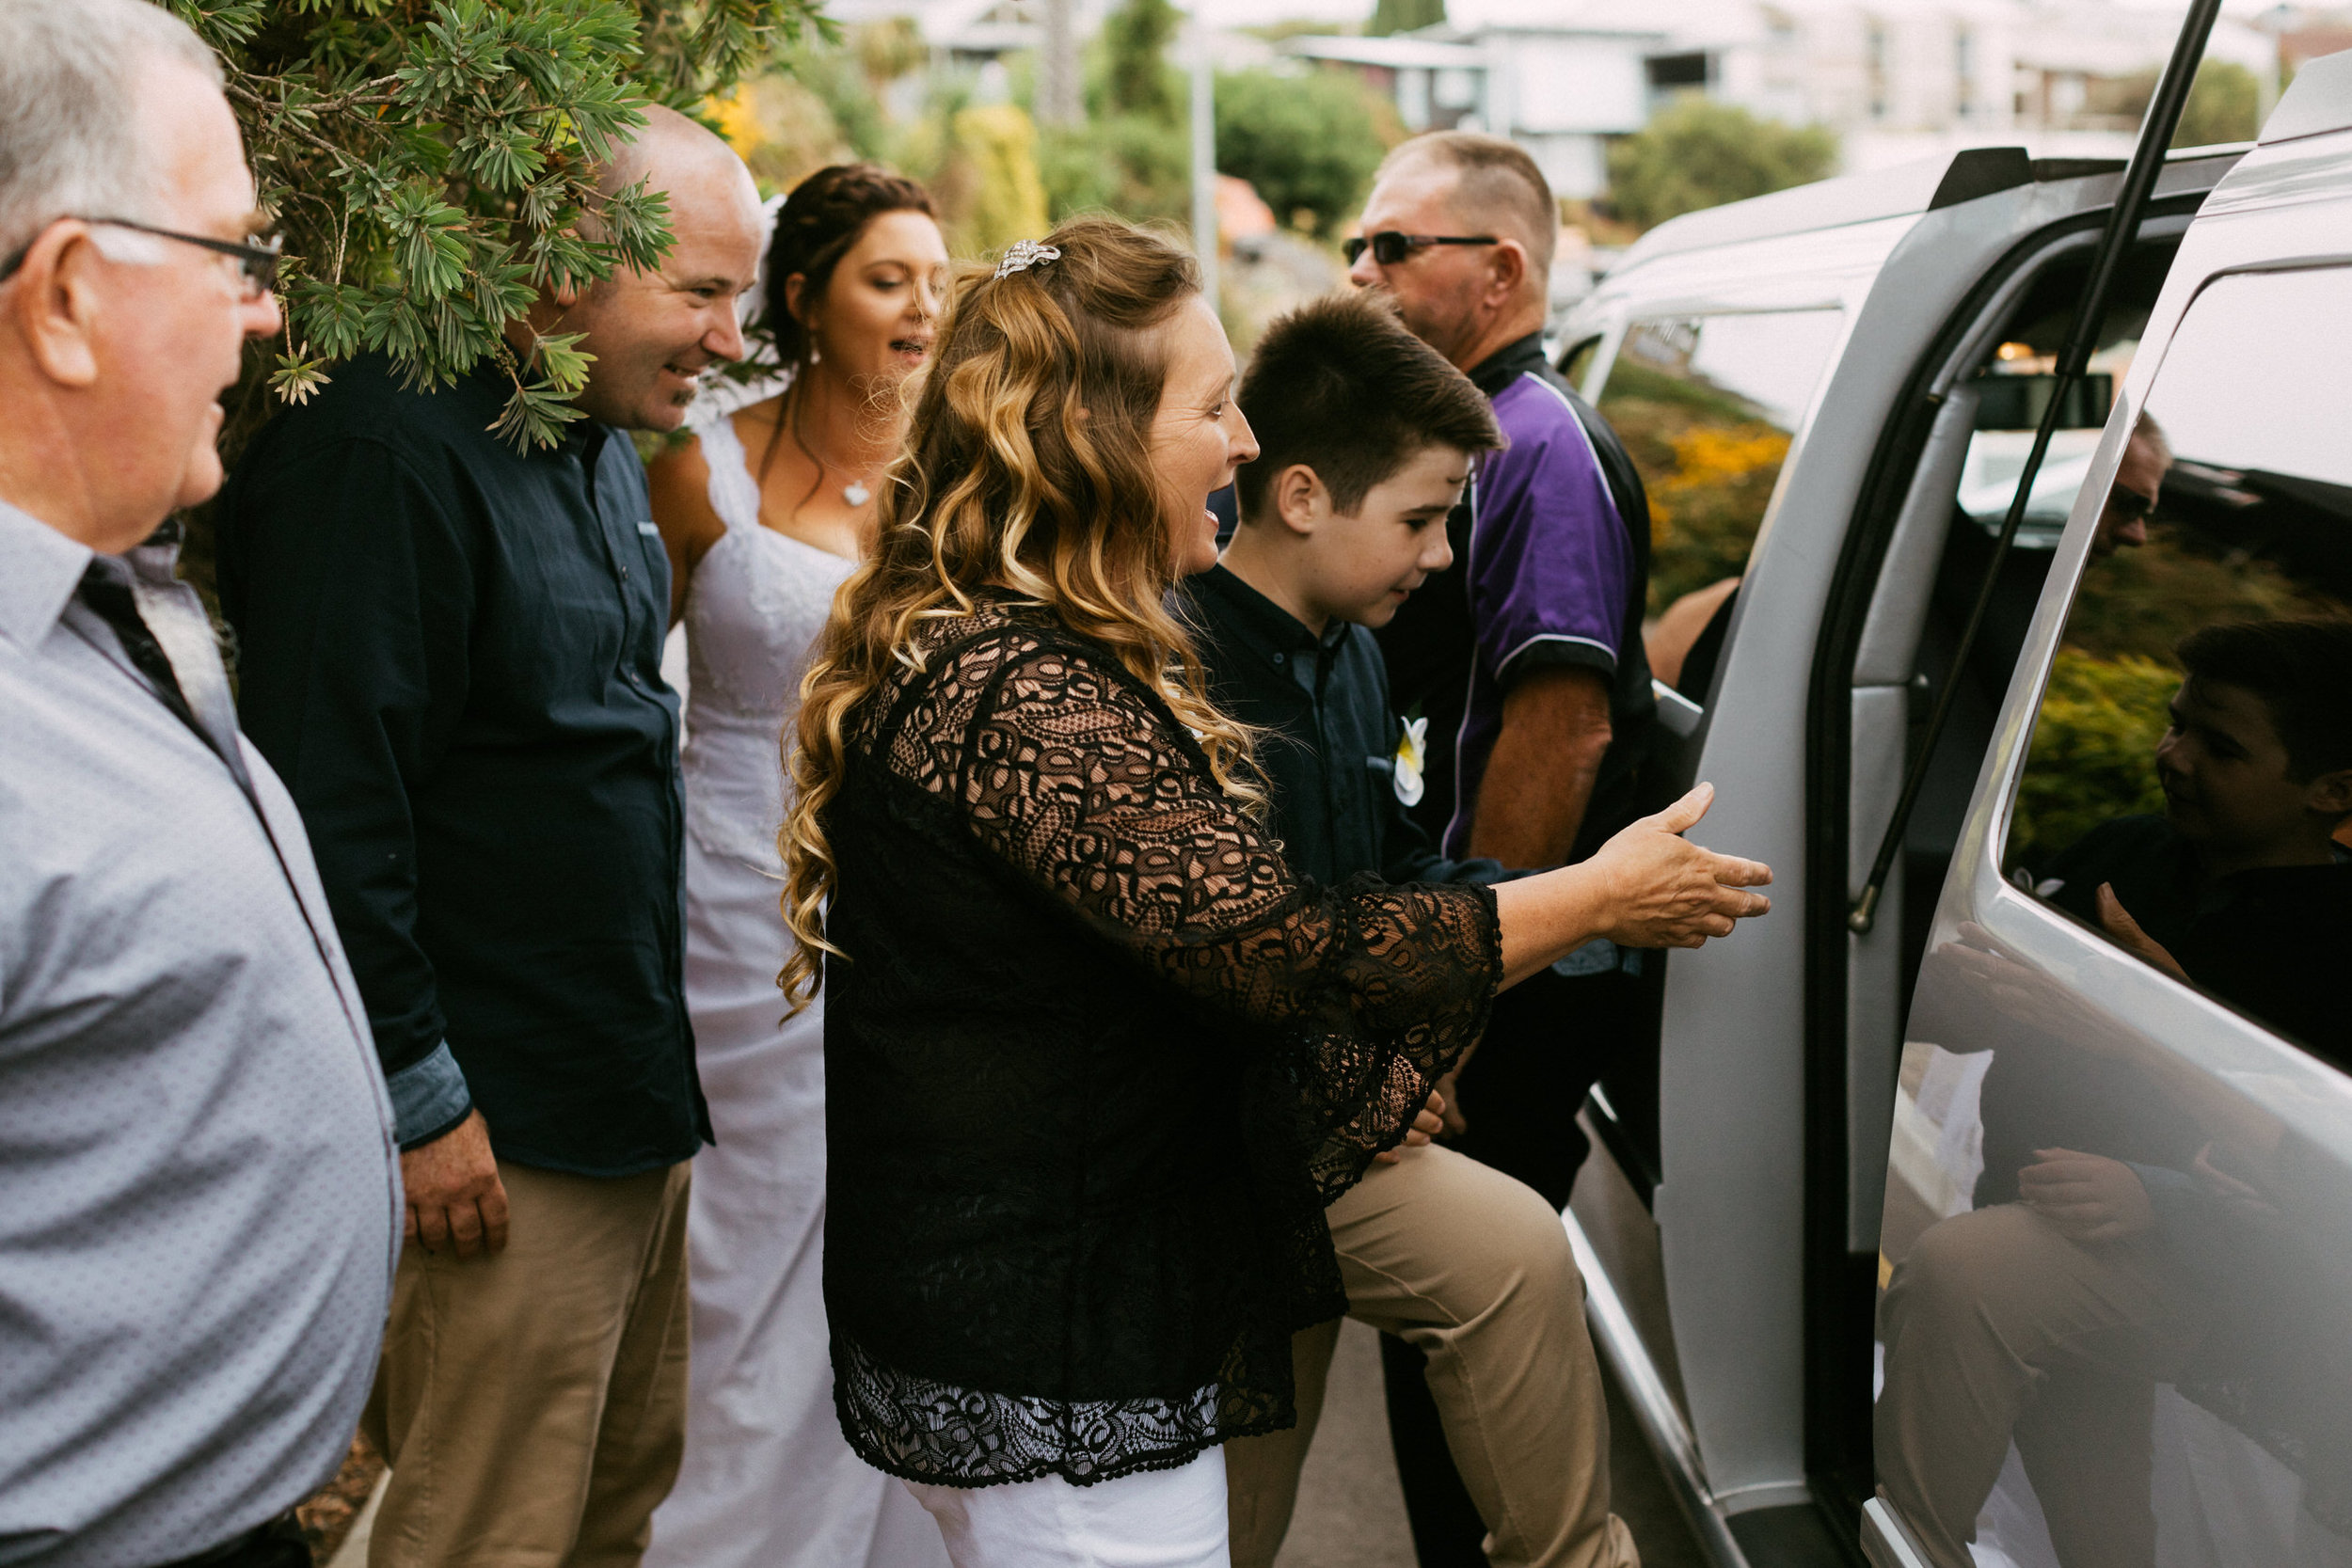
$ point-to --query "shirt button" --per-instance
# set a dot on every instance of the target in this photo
(1281, 658)
(623, 574)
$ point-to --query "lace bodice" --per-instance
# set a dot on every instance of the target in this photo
(1097, 1061)
(757, 601)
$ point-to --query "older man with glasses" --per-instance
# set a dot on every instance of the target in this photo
(199, 1200)
(2138, 484)
(1521, 667)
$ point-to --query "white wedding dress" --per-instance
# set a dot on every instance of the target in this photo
(769, 1480)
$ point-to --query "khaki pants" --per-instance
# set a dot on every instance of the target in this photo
(1998, 1328)
(533, 1404)
(1473, 1268)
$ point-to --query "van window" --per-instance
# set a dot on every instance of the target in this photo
(2188, 793)
(1706, 406)
(1578, 360)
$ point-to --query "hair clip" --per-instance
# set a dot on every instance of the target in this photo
(1021, 255)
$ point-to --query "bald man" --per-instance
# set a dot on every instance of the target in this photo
(1524, 662)
(452, 649)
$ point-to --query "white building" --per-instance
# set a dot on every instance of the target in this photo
(1898, 80)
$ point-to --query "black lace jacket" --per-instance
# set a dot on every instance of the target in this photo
(1095, 1062)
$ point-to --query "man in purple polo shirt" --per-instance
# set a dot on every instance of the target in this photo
(1519, 672)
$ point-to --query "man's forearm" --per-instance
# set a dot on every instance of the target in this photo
(1539, 777)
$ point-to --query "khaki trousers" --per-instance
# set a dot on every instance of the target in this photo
(533, 1404)
(1999, 1328)
(1473, 1268)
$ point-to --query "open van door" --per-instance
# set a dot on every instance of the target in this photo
(2113, 1293)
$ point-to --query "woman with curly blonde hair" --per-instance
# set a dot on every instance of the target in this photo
(1096, 1060)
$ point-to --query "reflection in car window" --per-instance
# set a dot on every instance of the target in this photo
(1706, 405)
(2190, 782)
(2013, 392)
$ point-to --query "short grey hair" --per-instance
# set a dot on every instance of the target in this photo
(1495, 178)
(70, 121)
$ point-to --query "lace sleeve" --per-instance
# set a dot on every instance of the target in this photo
(1084, 783)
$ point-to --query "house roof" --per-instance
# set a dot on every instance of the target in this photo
(1398, 52)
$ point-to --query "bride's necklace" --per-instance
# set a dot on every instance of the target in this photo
(856, 492)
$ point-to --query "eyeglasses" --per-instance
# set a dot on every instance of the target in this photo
(257, 259)
(2128, 505)
(1389, 247)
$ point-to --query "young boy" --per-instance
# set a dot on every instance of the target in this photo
(1367, 439)
(2241, 887)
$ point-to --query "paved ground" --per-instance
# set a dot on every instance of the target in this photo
(1351, 1514)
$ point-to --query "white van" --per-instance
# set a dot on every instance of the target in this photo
(2078, 1240)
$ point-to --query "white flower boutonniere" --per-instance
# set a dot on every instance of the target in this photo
(1412, 749)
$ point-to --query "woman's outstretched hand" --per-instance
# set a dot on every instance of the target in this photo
(1664, 890)
(1647, 887)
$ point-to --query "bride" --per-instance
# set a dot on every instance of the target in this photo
(765, 510)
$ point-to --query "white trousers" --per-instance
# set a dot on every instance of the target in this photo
(1153, 1519)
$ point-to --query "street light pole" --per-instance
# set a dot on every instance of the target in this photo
(1203, 157)
(1057, 68)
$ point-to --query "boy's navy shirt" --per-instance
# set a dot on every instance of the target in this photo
(1329, 739)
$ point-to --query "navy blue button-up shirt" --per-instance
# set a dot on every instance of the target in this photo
(1327, 739)
(450, 651)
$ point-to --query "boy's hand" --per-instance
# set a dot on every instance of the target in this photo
(2120, 926)
(1427, 1123)
(1450, 1092)
(2089, 1197)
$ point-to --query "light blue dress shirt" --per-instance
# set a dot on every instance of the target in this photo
(200, 1198)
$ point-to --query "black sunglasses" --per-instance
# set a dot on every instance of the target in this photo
(257, 259)
(1389, 247)
(2128, 505)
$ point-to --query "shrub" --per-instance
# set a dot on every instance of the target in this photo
(1710, 466)
(1701, 153)
(431, 167)
(1310, 144)
(2095, 751)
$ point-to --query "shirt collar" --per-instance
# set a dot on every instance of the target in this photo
(580, 438)
(1508, 363)
(40, 569)
(1265, 626)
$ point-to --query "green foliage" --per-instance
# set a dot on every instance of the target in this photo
(1710, 466)
(1310, 144)
(1133, 154)
(2144, 601)
(1007, 198)
(1404, 16)
(431, 167)
(2095, 751)
(1137, 80)
(1701, 153)
(1132, 165)
(2225, 104)
(843, 81)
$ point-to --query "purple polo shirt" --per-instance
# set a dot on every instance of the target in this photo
(1545, 573)
(1548, 573)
